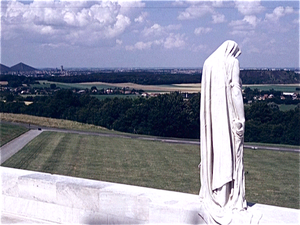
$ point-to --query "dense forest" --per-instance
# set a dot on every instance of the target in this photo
(168, 115)
(146, 78)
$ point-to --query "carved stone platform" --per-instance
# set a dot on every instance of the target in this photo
(29, 196)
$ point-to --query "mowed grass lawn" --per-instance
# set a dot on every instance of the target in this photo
(9, 132)
(271, 177)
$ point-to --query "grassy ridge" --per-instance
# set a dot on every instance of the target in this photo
(50, 122)
(9, 132)
(271, 177)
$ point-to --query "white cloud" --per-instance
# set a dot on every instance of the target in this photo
(195, 11)
(245, 26)
(155, 30)
(139, 46)
(252, 20)
(158, 30)
(198, 9)
(217, 3)
(242, 33)
(171, 41)
(71, 22)
(141, 18)
(199, 48)
(249, 7)
(119, 42)
(278, 12)
(202, 30)
(175, 41)
(218, 18)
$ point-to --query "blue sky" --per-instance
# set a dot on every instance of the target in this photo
(179, 34)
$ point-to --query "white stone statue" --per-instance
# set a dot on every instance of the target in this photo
(222, 121)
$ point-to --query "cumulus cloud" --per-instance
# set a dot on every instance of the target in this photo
(245, 26)
(71, 22)
(171, 41)
(139, 46)
(202, 30)
(252, 20)
(195, 11)
(199, 48)
(249, 7)
(158, 30)
(218, 18)
(141, 18)
(175, 41)
(217, 3)
(279, 12)
(198, 9)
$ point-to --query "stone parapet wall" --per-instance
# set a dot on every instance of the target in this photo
(62, 199)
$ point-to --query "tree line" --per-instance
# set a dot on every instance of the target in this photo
(159, 78)
(168, 115)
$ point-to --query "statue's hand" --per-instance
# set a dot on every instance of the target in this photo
(238, 127)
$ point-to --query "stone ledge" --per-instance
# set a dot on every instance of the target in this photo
(62, 199)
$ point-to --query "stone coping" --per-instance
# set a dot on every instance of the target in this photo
(69, 200)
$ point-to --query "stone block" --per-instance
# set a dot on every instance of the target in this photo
(124, 206)
(78, 196)
(38, 186)
(83, 216)
(9, 185)
(112, 219)
(69, 200)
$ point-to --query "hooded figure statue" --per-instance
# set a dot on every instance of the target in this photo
(222, 136)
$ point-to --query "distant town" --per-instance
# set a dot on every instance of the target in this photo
(26, 81)
(22, 69)
(161, 102)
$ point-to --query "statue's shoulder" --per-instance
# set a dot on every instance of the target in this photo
(208, 62)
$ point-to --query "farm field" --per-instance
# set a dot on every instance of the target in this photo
(190, 87)
(287, 107)
(9, 132)
(276, 87)
(101, 97)
(271, 177)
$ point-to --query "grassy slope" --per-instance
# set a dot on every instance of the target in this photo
(54, 123)
(272, 177)
(121, 160)
(9, 132)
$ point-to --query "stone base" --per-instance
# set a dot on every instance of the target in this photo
(69, 200)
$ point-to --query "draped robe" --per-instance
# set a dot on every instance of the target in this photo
(222, 129)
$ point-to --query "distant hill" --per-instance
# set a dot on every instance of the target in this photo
(4, 69)
(21, 67)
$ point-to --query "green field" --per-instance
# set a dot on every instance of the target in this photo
(287, 107)
(276, 87)
(9, 132)
(271, 177)
(101, 97)
(194, 88)
(70, 85)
